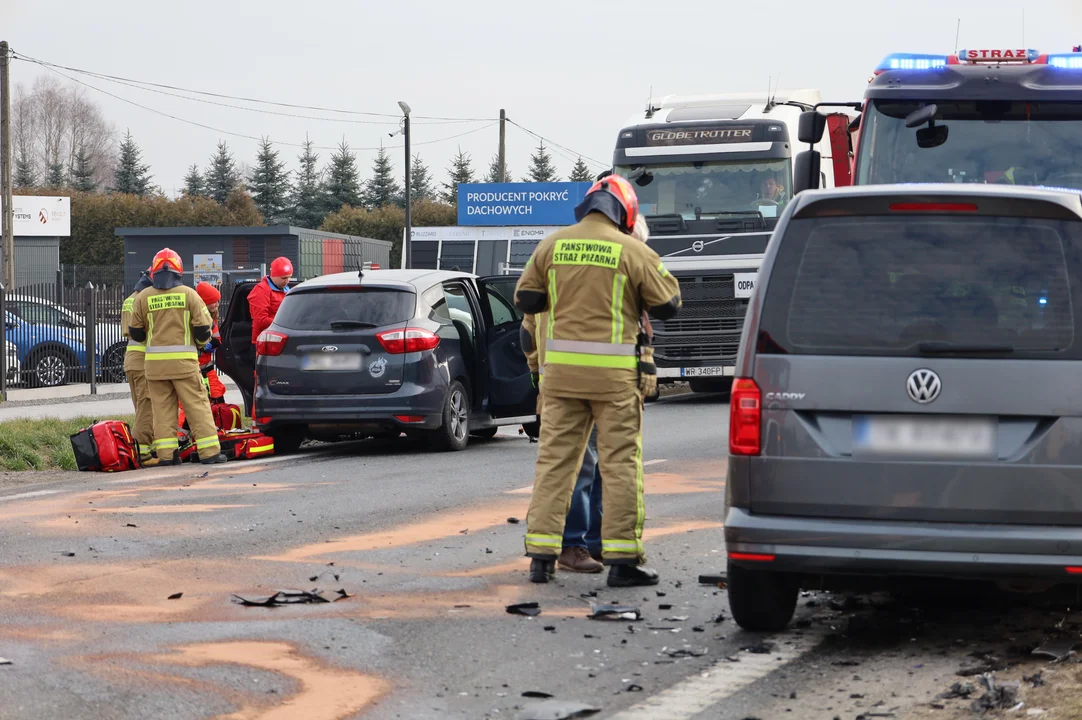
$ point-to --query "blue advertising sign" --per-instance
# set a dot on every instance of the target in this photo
(519, 203)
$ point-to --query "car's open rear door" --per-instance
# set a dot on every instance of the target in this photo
(511, 392)
(236, 357)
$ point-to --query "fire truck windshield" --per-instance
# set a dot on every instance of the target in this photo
(1021, 143)
(697, 189)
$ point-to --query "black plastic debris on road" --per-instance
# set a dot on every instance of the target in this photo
(633, 688)
(998, 697)
(1036, 680)
(614, 612)
(513, 520)
(291, 597)
(131, 525)
(5, 661)
(529, 609)
(713, 579)
(958, 691)
(175, 596)
(536, 694)
(759, 648)
(1058, 648)
(556, 710)
(67, 553)
(686, 652)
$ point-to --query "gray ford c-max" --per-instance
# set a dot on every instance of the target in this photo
(908, 394)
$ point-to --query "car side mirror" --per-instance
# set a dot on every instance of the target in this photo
(806, 171)
(811, 126)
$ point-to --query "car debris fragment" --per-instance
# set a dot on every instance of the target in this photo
(1036, 680)
(998, 697)
(175, 596)
(686, 652)
(536, 694)
(713, 579)
(291, 597)
(529, 609)
(958, 691)
(614, 612)
(760, 648)
(513, 520)
(1057, 648)
(5, 661)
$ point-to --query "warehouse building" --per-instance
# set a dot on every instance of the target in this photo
(210, 252)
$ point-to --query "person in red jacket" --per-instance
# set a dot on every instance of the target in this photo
(265, 297)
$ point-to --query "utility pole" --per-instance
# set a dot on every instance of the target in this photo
(407, 240)
(503, 146)
(7, 217)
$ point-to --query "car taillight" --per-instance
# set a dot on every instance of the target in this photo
(262, 420)
(270, 343)
(410, 418)
(933, 207)
(751, 557)
(409, 340)
(745, 418)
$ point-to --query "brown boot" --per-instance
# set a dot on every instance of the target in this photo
(577, 559)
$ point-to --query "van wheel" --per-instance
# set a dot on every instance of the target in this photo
(287, 440)
(454, 432)
(762, 600)
(485, 433)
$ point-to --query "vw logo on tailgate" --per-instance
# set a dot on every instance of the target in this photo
(923, 386)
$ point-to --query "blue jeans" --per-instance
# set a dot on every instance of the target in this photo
(582, 528)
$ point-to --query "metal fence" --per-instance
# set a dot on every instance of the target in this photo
(68, 330)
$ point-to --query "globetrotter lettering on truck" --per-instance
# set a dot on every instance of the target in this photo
(171, 301)
(697, 136)
(600, 253)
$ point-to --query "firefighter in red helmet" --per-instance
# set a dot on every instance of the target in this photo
(591, 281)
(172, 321)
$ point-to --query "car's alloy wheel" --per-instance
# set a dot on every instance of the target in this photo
(50, 370)
(454, 430)
(459, 414)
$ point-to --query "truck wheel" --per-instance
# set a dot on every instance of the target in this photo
(762, 600)
(454, 432)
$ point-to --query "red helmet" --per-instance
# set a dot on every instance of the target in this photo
(614, 197)
(281, 267)
(167, 259)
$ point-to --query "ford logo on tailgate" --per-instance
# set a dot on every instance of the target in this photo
(330, 348)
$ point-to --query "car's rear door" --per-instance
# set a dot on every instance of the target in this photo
(236, 356)
(511, 391)
(333, 344)
(919, 360)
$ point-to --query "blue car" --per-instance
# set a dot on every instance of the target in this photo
(48, 356)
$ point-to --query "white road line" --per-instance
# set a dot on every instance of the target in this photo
(35, 493)
(653, 462)
(690, 697)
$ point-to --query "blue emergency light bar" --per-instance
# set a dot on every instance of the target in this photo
(1066, 61)
(910, 61)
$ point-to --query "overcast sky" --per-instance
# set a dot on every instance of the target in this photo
(570, 71)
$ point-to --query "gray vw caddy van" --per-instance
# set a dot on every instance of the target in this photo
(908, 395)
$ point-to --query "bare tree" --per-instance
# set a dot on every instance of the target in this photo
(51, 122)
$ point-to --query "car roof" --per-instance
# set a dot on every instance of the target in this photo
(1067, 198)
(401, 279)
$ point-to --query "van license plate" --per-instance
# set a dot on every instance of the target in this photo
(924, 437)
(332, 361)
(706, 371)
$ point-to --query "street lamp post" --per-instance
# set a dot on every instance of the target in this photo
(407, 241)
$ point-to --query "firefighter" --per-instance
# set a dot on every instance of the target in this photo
(264, 299)
(173, 322)
(143, 429)
(593, 279)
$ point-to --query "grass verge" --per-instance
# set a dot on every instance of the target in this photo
(41, 444)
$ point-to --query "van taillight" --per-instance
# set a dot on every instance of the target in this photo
(270, 343)
(933, 207)
(745, 418)
(409, 340)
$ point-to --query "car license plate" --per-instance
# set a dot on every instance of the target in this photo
(924, 437)
(332, 361)
(716, 371)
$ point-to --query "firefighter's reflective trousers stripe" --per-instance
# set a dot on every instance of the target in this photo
(565, 429)
(591, 354)
(143, 429)
(165, 397)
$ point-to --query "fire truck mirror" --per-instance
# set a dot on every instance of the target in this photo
(806, 171)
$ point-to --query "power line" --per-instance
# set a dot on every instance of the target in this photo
(598, 163)
(242, 135)
(103, 76)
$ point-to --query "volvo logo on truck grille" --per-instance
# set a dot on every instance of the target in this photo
(923, 386)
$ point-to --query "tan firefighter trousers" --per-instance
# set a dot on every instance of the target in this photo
(143, 429)
(165, 396)
(565, 429)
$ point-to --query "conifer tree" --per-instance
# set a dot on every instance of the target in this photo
(131, 175)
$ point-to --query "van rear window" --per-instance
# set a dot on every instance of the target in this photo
(317, 309)
(899, 285)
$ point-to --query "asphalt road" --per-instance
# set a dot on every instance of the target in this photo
(422, 544)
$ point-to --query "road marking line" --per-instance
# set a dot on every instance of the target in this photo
(690, 697)
(35, 493)
(653, 462)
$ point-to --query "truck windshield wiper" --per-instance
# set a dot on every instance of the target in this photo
(351, 324)
(942, 348)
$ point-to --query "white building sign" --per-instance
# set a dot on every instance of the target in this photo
(41, 216)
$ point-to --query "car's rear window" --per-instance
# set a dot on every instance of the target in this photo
(897, 285)
(317, 309)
